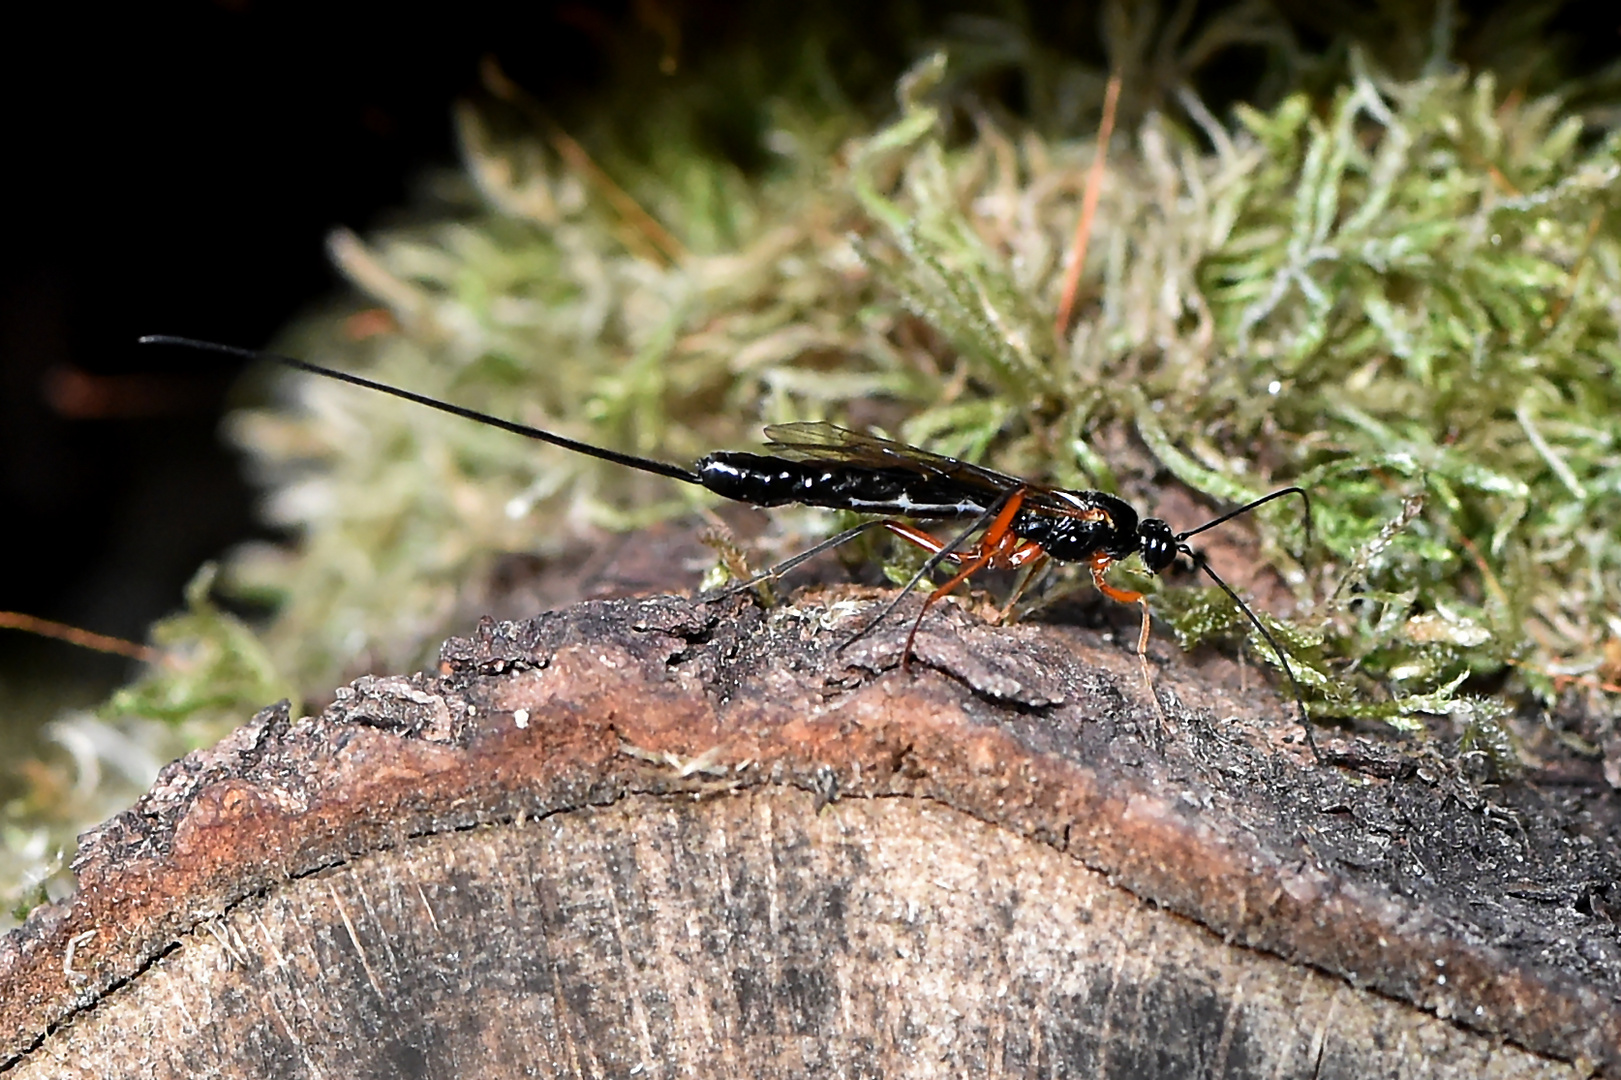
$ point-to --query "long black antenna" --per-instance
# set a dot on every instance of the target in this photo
(1247, 507)
(647, 465)
(1300, 698)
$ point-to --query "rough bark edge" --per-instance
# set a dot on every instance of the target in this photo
(586, 706)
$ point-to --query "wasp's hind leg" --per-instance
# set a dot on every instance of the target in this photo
(772, 573)
(970, 561)
(1032, 569)
(996, 547)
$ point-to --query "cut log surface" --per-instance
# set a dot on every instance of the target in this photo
(658, 838)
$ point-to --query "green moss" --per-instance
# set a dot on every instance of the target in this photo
(215, 670)
(1438, 306)
(1405, 302)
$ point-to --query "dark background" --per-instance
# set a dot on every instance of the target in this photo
(176, 167)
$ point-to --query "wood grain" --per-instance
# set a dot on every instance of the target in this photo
(648, 837)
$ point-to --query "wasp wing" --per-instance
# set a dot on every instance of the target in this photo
(819, 440)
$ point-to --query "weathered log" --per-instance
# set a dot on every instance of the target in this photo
(649, 837)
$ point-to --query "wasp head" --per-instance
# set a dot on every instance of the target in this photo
(1156, 543)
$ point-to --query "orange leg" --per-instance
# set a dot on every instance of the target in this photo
(998, 541)
(1100, 564)
(997, 547)
(1027, 552)
(927, 541)
(1010, 554)
(970, 566)
(998, 533)
(1030, 556)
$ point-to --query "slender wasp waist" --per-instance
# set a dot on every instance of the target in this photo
(1089, 522)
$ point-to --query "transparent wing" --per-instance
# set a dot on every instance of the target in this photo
(819, 440)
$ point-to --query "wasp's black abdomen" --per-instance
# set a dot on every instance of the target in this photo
(764, 480)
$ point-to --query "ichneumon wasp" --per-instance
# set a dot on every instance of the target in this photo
(1020, 523)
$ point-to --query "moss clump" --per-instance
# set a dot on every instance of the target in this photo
(1407, 305)
(1421, 292)
(213, 674)
(1406, 301)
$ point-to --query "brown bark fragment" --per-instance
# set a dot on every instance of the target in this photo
(741, 934)
(688, 838)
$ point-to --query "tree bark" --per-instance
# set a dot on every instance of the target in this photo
(654, 837)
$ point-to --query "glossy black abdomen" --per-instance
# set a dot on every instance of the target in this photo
(763, 480)
(1092, 522)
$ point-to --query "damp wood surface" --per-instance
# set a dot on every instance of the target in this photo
(644, 837)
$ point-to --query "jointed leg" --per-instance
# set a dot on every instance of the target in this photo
(995, 547)
(971, 564)
(923, 571)
(998, 542)
(927, 541)
(774, 572)
(1100, 564)
(1029, 556)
